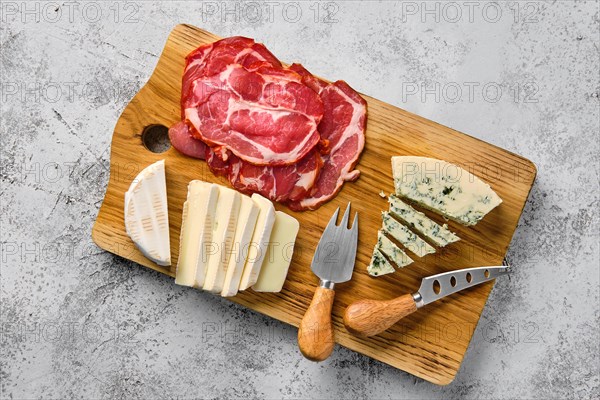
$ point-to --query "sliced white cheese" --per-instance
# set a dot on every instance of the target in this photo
(393, 252)
(403, 235)
(224, 228)
(279, 254)
(146, 214)
(379, 265)
(196, 231)
(243, 234)
(259, 243)
(444, 188)
(438, 234)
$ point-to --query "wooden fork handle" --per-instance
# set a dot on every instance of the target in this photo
(371, 317)
(315, 334)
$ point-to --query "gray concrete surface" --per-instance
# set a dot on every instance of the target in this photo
(78, 322)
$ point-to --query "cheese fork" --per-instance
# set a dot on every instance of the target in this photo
(333, 263)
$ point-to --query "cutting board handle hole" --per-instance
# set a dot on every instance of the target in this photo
(156, 138)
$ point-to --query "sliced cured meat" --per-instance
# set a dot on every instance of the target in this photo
(234, 50)
(277, 131)
(309, 79)
(281, 184)
(343, 126)
(285, 183)
(216, 164)
(181, 138)
(194, 68)
(213, 58)
(265, 117)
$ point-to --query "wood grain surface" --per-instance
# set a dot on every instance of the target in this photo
(371, 317)
(315, 333)
(429, 343)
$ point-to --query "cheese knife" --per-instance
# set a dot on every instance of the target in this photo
(333, 262)
(371, 317)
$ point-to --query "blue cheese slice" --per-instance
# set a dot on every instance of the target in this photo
(393, 252)
(379, 264)
(438, 234)
(443, 188)
(403, 235)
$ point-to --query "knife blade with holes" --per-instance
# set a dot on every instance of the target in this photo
(371, 317)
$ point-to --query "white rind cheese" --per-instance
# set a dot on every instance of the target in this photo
(243, 234)
(196, 232)
(438, 234)
(403, 235)
(444, 188)
(393, 252)
(146, 214)
(260, 241)
(224, 229)
(279, 254)
(379, 264)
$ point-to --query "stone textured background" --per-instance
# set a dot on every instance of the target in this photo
(79, 322)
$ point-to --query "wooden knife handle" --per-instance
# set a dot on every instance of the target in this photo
(371, 317)
(315, 334)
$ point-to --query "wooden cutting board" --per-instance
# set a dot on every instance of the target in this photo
(430, 343)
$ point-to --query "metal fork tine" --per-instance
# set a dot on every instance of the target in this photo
(353, 236)
(331, 225)
(355, 225)
(336, 251)
(344, 223)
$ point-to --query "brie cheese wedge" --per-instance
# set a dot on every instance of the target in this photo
(146, 214)
(443, 188)
(260, 241)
